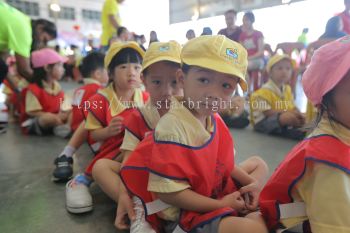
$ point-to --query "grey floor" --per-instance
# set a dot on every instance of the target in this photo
(31, 203)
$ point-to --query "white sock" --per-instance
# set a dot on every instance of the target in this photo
(68, 151)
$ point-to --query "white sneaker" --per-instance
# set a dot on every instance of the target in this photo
(62, 131)
(140, 225)
(78, 198)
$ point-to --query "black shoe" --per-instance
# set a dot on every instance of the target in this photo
(64, 169)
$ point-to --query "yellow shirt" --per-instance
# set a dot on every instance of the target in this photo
(115, 106)
(325, 190)
(178, 125)
(151, 116)
(270, 97)
(32, 103)
(110, 7)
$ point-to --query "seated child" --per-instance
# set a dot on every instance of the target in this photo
(185, 169)
(95, 77)
(105, 118)
(41, 111)
(159, 67)
(309, 190)
(272, 106)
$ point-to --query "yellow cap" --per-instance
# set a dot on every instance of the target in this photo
(277, 58)
(217, 53)
(115, 48)
(162, 51)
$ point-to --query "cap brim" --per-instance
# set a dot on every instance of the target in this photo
(159, 59)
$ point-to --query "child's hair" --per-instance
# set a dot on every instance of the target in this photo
(250, 16)
(126, 55)
(173, 64)
(231, 11)
(185, 68)
(92, 62)
(40, 74)
(120, 30)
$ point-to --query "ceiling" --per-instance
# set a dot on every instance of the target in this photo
(185, 10)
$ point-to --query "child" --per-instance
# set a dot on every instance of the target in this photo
(186, 165)
(272, 106)
(159, 67)
(43, 98)
(95, 76)
(310, 188)
(109, 107)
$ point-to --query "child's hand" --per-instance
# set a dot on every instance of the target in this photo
(251, 193)
(63, 115)
(234, 200)
(289, 118)
(115, 126)
(125, 212)
(301, 119)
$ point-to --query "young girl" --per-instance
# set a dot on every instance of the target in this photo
(272, 107)
(185, 169)
(159, 67)
(310, 188)
(41, 112)
(109, 107)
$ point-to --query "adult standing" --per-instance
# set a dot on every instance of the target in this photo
(345, 17)
(253, 41)
(22, 35)
(111, 21)
(231, 31)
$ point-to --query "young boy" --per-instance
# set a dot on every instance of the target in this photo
(272, 106)
(161, 61)
(95, 76)
(185, 169)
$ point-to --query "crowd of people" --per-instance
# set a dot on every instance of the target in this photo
(157, 121)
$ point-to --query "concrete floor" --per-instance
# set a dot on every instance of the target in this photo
(31, 203)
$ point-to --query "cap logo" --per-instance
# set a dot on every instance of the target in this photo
(232, 53)
(164, 48)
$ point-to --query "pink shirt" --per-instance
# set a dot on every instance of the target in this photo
(250, 42)
(345, 17)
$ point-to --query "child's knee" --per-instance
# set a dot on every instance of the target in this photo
(260, 163)
(105, 165)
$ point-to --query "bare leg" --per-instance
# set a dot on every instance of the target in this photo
(241, 225)
(257, 168)
(48, 120)
(105, 175)
(79, 136)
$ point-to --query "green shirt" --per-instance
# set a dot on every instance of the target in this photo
(15, 30)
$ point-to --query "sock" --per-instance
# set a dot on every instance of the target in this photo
(68, 151)
(82, 179)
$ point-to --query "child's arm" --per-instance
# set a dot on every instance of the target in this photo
(125, 209)
(114, 128)
(250, 189)
(192, 201)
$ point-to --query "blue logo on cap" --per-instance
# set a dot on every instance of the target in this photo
(232, 53)
(164, 48)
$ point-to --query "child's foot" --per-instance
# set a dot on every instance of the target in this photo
(78, 197)
(140, 225)
(64, 169)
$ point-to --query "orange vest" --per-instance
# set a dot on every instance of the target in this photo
(322, 149)
(206, 168)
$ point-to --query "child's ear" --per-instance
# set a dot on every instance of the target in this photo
(180, 78)
(47, 68)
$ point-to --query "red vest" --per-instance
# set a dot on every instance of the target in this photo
(322, 149)
(206, 168)
(79, 106)
(137, 125)
(103, 114)
(49, 103)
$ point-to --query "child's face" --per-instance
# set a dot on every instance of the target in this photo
(127, 76)
(281, 72)
(57, 71)
(160, 82)
(101, 75)
(341, 101)
(207, 91)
